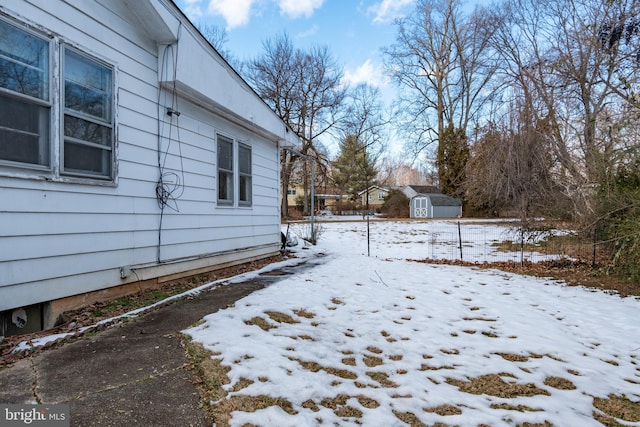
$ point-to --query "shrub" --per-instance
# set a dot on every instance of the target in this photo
(396, 205)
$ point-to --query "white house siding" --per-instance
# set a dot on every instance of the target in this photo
(63, 237)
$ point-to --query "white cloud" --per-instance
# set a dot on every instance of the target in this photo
(299, 8)
(192, 9)
(235, 12)
(365, 73)
(311, 31)
(388, 10)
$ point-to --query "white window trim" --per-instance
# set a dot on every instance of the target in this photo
(235, 202)
(52, 172)
(245, 203)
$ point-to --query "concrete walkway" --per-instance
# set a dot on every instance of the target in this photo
(135, 373)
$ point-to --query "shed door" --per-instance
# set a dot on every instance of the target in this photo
(421, 210)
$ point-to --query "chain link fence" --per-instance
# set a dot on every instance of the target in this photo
(514, 242)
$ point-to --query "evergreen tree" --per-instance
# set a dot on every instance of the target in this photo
(353, 169)
(453, 154)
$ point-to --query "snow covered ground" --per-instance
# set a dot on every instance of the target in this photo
(382, 341)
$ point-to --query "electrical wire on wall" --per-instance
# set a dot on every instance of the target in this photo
(170, 185)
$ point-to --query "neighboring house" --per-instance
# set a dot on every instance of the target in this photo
(376, 195)
(331, 199)
(426, 201)
(131, 154)
(294, 193)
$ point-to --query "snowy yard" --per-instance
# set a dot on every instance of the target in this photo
(382, 341)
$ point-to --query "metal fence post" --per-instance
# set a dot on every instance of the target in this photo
(521, 245)
(460, 240)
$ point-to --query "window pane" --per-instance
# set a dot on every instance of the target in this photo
(225, 186)
(225, 153)
(24, 62)
(87, 86)
(87, 131)
(245, 188)
(24, 132)
(244, 154)
(85, 159)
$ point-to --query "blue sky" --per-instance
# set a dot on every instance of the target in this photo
(354, 30)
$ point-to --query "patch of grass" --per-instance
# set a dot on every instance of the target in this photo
(484, 319)
(494, 385)
(372, 361)
(349, 361)
(316, 367)
(342, 373)
(261, 322)
(375, 350)
(425, 367)
(276, 316)
(382, 378)
(545, 424)
(559, 383)
(367, 402)
(210, 376)
(304, 337)
(241, 384)
(519, 408)
(409, 418)
(310, 404)
(619, 407)
(304, 313)
(512, 357)
(444, 410)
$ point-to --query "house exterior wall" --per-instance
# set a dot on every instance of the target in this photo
(63, 236)
(447, 211)
(376, 197)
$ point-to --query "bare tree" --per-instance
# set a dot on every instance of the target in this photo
(218, 37)
(303, 88)
(562, 62)
(442, 63)
(511, 169)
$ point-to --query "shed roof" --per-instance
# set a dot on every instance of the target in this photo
(441, 199)
(425, 189)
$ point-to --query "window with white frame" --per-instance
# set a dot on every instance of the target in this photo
(225, 170)
(85, 109)
(234, 172)
(88, 116)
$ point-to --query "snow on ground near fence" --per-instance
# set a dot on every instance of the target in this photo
(381, 341)
(434, 239)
